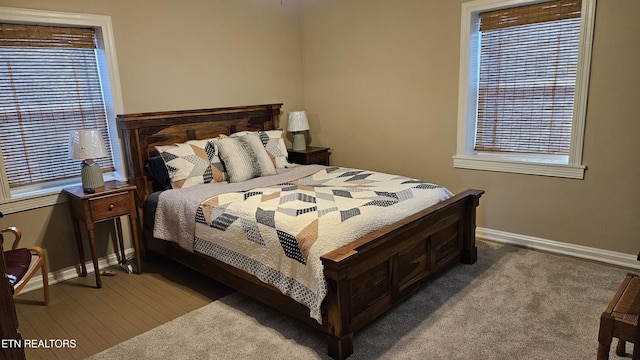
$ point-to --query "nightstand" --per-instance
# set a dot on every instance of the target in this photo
(311, 155)
(115, 200)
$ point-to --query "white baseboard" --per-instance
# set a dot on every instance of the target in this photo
(584, 252)
(74, 271)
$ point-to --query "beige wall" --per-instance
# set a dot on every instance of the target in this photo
(175, 55)
(381, 87)
(379, 80)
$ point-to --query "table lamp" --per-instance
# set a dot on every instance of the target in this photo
(297, 124)
(87, 145)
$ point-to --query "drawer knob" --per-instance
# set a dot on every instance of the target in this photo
(111, 206)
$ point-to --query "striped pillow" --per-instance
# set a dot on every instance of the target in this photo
(244, 157)
(274, 143)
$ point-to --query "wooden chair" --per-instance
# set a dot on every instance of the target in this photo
(620, 320)
(23, 263)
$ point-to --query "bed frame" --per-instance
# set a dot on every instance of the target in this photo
(365, 278)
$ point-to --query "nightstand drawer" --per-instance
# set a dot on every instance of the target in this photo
(310, 155)
(108, 207)
(318, 158)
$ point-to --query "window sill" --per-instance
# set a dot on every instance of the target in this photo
(498, 164)
(35, 198)
(31, 202)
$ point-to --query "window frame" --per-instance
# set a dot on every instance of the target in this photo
(546, 165)
(31, 197)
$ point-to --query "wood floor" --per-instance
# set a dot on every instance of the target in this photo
(125, 306)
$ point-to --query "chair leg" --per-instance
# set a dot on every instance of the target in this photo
(603, 351)
(42, 263)
(621, 348)
(45, 281)
(605, 335)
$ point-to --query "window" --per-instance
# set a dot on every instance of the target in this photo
(523, 85)
(57, 74)
(49, 85)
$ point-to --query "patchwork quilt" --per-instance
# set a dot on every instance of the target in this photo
(279, 232)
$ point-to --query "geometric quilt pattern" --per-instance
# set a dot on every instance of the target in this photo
(287, 227)
(191, 163)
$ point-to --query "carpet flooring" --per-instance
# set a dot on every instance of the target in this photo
(513, 303)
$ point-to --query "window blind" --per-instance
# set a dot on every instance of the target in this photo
(527, 77)
(49, 85)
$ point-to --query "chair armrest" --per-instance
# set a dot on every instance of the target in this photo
(38, 250)
(16, 233)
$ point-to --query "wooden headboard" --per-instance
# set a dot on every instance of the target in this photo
(144, 131)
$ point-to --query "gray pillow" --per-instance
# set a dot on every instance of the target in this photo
(244, 157)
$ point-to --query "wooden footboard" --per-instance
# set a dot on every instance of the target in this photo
(365, 278)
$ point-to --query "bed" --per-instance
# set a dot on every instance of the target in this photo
(364, 278)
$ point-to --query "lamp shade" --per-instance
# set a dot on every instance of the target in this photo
(86, 144)
(297, 121)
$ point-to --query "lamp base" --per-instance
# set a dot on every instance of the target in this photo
(299, 142)
(91, 175)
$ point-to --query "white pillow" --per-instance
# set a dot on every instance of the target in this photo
(244, 157)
